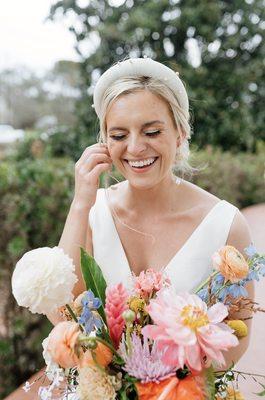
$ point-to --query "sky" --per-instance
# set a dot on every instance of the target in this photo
(25, 39)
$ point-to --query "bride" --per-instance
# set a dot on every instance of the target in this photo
(152, 219)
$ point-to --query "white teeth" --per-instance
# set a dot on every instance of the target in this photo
(142, 162)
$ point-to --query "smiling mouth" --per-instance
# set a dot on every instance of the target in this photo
(141, 164)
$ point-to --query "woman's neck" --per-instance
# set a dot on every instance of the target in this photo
(154, 200)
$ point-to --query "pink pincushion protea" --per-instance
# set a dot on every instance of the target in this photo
(116, 304)
(149, 282)
(188, 330)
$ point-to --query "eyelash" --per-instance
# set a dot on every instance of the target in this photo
(151, 134)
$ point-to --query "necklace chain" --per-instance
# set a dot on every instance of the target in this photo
(178, 181)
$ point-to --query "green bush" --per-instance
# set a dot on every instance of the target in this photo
(34, 199)
(35, 195)
(237, 178)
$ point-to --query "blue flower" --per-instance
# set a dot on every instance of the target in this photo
(203, 294)
(234, 290)
(250, 251)
(89, 318)
(217, 282)
(91, 301)
(253, 275)
(262, 269)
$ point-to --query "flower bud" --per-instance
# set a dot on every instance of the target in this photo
(128, 315)
(92, 343)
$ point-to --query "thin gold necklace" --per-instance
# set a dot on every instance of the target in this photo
(178, 181)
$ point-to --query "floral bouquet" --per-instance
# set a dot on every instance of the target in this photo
(147, 342)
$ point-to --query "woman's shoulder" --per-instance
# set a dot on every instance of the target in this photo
(239, 235)
(194, 195)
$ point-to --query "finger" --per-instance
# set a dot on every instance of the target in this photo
(93, 160)
(95, 173)
(92, 150)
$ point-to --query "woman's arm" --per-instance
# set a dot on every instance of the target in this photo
(77, 233)
(239, 237)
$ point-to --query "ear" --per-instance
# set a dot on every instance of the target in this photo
(180, 137)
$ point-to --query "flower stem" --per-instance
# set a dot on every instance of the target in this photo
(100, 340)
(74, 316)
(128, 339)
(206, 281)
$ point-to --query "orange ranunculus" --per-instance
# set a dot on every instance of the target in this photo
(62, 342)
(191, 388)
(102, 353)
(164, 390)
(231, 263)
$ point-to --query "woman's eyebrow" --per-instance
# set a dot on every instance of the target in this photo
(146, 124)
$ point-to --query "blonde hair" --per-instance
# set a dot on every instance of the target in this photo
(129, 85)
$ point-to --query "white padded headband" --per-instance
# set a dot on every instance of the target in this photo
(141, 67)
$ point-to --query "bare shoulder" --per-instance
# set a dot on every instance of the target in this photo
(194, 195)
(239, 235)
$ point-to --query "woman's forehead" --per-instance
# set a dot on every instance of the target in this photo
(140, 106)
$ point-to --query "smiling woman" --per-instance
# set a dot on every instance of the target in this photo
(153, 218)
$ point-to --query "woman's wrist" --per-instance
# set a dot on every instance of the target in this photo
(80, 206)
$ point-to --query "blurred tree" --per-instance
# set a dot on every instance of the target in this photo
(215, 45)
(29, 100)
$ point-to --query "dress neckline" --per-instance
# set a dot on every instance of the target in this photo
(180, 251)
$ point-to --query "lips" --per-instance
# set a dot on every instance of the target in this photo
(141, 168)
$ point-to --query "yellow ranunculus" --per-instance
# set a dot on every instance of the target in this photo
(240, 328)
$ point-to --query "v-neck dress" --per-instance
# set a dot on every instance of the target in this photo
(186, 270)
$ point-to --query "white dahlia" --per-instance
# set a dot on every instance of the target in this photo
(43, 280)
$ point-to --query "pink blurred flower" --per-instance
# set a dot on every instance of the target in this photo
(149, 282)
(188, 330)
(116, 304)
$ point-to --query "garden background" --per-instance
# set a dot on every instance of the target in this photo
(217, 48)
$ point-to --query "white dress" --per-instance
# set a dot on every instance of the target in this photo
(186, 270)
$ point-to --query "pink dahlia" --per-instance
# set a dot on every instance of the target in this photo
(149, 282)
(188, 330)
(116, 304)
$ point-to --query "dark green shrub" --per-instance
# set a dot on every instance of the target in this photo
(34, 199)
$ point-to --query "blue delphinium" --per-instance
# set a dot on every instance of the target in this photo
(251, 251)
(204, 295)
(89, 318)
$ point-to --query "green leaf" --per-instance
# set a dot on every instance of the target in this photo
(262, 393)
(94, 279)
(210, 385)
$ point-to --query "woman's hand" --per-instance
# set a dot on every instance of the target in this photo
(94, 160)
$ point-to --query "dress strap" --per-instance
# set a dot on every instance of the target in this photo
(107, 248)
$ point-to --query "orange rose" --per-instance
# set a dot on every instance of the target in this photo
(231, 263)
(62, 342)
(191, 388)
(102, 353)
(164, 390)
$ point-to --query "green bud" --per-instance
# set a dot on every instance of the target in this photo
(92, 343)
(128, 316)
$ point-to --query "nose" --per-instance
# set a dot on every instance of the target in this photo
(136, 144)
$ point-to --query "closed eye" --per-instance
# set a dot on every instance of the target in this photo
(149, 133)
